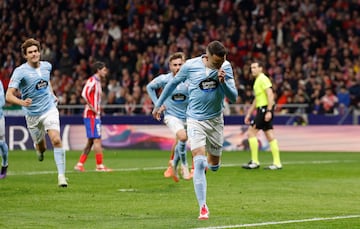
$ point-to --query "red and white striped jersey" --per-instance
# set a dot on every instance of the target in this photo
(92, 94)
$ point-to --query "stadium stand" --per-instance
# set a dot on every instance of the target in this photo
(311, 47)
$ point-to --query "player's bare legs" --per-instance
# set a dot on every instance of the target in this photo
(167, 172)
(213, 162)
(84, 155)
(100, 167)
(181, 150)
(40, 148)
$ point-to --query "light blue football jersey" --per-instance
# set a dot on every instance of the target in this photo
(176, 104)
(2, 99)
(34, 84)
(206, 93)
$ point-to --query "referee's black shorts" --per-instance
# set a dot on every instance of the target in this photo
(259, 121)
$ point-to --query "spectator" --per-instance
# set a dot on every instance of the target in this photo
(130, 105)
(65, 63)
(114, 63)
(344, 100)
(121, 99)
(283, 100)
(329, 102)
(299, 39)
(316, 107)
(147, 105)
(114, 31)
(111, 100)
(354, 91)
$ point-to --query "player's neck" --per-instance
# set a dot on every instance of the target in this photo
(34, 64)
(97, 77)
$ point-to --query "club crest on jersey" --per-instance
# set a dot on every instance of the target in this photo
(42, 84)
(208, 85)
(178, 97)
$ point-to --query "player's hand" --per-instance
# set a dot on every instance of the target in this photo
(268, 116)
(56, 100)
(221, 75)
(162, 109)
(247, 119)
(27, 102)
(156, 113)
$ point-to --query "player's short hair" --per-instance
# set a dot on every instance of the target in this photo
(28, 43)
(260, 63)
(98, 65)
(216, 48)
(177, 55)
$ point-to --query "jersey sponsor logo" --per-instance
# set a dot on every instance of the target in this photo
(178, 97)
(208, 85)
(42, 84)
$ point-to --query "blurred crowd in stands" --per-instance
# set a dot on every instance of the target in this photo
(310, 47)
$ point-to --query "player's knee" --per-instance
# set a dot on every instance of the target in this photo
(56, 142)
(183, 139)
(182, 136)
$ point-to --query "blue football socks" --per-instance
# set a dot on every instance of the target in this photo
(4, 151)
(181, 148)
(59, 157)
(199, 178)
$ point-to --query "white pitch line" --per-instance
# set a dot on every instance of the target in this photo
(11, 173)
(282, 222)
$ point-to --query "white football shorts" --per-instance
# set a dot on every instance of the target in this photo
(2, 128)
(38, 125)
(174, 124)
(208, 133)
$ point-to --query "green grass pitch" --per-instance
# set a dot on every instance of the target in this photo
(313, 190)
